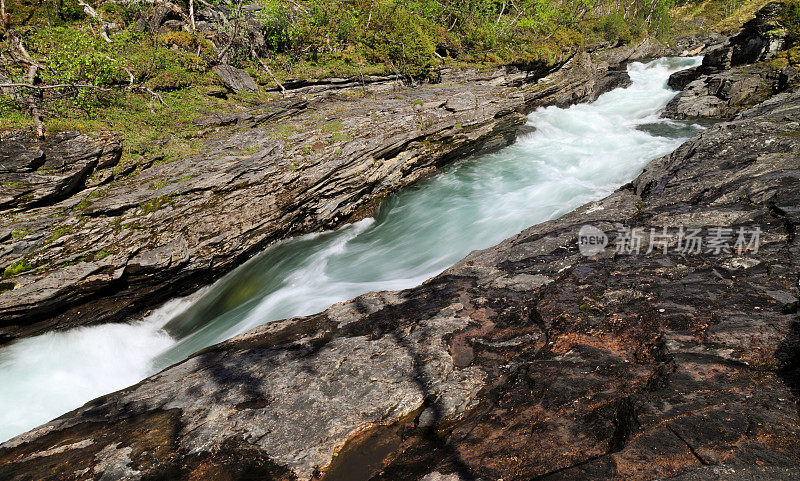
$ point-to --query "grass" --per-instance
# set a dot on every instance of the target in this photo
(340, 137)
(332, 126)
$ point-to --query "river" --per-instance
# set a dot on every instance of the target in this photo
(575, 155)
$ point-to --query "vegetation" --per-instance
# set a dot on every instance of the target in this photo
(17, 267)
(125, 66)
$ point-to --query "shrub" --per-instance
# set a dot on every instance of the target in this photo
(73, 55)
(613, 27)
(791, 20)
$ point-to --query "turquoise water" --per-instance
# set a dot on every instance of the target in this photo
(576, 155)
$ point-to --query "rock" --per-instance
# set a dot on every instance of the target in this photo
(235, 79)
(679, 80)
(664, 365)
(35, 172)
(253, 182)
(734, 75)
(761, 38)
(461, 102)
(437, 476)
(725, 94)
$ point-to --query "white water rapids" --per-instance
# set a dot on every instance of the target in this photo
(576, 155)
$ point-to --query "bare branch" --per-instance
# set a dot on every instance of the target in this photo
(5, 20)
(30, 77)
(55, 86)
(191, 15)
(264, 65)
(104, 26)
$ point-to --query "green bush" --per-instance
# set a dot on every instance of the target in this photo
(791, 20)
(613, 27)
(278, 29)
(407, 41)
(74, 55)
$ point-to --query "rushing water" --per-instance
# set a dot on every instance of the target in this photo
(575, 155)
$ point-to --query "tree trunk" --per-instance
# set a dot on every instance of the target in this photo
(3, 15)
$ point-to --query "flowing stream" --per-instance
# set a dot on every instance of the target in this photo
(576, 155)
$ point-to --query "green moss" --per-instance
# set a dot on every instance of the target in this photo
(19, 233)
(59, 232)
(340, 137)
(17, 268)
(334, 126)
(251, 150)
(284, 131)
(159, 184)
(155, 204)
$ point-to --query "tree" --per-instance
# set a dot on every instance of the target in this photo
(5, 20)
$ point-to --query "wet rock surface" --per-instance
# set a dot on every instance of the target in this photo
(525, 361)
(97, 242)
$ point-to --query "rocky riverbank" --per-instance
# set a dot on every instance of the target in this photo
(85, 239)
(528, 360)
(736, 74)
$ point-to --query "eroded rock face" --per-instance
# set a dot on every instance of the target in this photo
(735, 75)
(523, 361)
(723, 95)
(35, 172)
(137, 235)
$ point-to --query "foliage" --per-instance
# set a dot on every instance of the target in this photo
(73, 55)
(791, 20)
(613, 27)
(302, 39)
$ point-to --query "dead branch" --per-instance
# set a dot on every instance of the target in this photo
(105, 27)
(269, 72)
(5, 19)
(191, 15)
(222, 52)
(30, 77)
